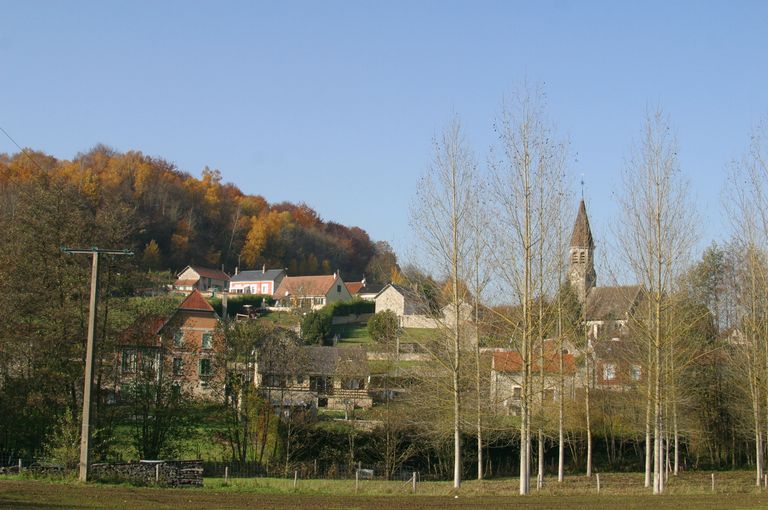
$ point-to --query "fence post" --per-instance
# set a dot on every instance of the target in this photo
(19, 466)
(713, 482)
(414, 482)
(157, 473)
(226, 474)
(295, 478)
(315, 468)
(598, 482)
(765, 481)
(357, 479)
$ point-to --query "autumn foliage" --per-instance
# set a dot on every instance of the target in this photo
(178, 219)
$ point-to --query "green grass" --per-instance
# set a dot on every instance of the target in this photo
(417, 334)
(285, 319)
(619, 492)
(352, 333)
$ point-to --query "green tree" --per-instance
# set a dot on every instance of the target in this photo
(316, 326)
(383, 326)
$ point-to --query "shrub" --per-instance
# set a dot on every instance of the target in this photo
(316, 326)
(383, 326)
(353, 307)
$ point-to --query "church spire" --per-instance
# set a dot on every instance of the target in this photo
(582, 234)
(582, 266)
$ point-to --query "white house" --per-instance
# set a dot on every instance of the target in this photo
(311, 291)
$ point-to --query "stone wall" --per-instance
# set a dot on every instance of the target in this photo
(171, 473)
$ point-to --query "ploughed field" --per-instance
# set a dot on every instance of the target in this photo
(618, 491)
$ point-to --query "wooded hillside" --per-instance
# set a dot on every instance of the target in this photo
(173, 219)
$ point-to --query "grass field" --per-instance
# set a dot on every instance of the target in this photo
(619, 491)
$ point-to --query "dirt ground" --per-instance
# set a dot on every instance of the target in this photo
(29, 494)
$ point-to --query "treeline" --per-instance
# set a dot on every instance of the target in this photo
(173, 219)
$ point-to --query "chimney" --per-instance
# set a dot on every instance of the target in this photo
(363, 281)
(263, 268)
(237, 269)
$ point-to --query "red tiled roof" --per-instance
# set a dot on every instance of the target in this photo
(513, 362)
(305, 286)
(354, 287)
(214, 274)
(195, 301)
(142, 332)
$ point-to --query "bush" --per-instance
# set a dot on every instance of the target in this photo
(316, 326)
(383, 326)
(353, 307)
(236, 303)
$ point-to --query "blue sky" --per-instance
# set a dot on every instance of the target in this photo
(335, 103)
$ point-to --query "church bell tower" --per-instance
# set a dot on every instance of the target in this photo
(581, 272)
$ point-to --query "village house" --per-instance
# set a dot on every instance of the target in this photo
(410, 308)
(263, 281)
(311, 292)
(179, 348)
(315, 376)
(201, 278)
(507, 379)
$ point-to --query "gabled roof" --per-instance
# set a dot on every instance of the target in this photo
(407, 293)
(611, 303)
(213, 274)
(371, 288)
(354, 287)
(257, 275)
(512, 362)
(305, 286)
(195, 302)
(582, 234)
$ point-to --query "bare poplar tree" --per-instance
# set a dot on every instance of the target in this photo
(746, 202)
(656, 236)
(441, 219)
(523, 178)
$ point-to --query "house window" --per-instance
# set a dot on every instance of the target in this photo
(582, 257)
(320, 384)
(517, 391)
(549, 395)
(609, 372)
(207, 340)
(338, 288)
(265, 288)
(353, 384)
(275, 381)
(129, 360)
(205, 367)
(299, 380)
(178, 366)
(637, 372)
(178, 339)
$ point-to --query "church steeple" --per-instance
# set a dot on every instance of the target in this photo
(582, 266)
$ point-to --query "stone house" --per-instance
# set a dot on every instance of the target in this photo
(507, 373)
(316, 376)
(311, 292)
(181, 348)
(410, 308)
(201, 278)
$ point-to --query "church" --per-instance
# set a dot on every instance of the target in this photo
(606, 309)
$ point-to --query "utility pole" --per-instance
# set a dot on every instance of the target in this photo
(85, 431)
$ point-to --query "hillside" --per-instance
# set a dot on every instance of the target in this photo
(171, 219)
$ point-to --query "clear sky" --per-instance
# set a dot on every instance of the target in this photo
(335, 103)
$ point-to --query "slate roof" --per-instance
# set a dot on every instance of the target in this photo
(305, 286)
(512, 362)
(582, 234)
(257, 275)
(611, 303)
(195, 302)
(371, 288)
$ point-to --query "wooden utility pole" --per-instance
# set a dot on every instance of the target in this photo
(85, 431)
